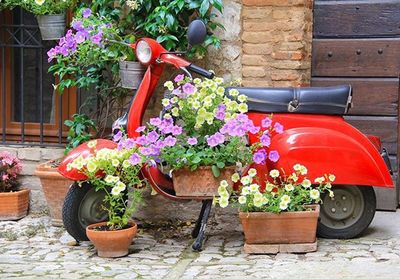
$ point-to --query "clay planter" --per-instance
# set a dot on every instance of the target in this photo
(55, 187)
(111, 244)
(14, 205)
(282, 228)
(200, 183)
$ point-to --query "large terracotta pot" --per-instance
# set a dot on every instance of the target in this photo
(55, 188)
(282, 228)
(111, 244)
(201, 182)
(14, 205)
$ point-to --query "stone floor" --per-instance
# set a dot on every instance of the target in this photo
(31, 248)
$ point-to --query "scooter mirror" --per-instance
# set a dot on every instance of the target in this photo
(196, 33)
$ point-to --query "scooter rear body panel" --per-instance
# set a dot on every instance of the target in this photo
(325, 144)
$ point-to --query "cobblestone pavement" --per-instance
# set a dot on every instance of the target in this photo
(31, 248)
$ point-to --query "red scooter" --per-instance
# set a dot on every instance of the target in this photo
(315, 135)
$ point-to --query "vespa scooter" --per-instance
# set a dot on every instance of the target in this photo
(315, 135)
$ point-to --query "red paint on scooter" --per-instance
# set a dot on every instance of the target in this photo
(85, 151)
(325, 144)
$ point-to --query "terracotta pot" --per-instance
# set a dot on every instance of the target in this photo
(111, 244)
(14, 205)
(282, 228)
(201, 182)
(55, 188)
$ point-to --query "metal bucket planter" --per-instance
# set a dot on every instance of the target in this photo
(131, 74)
(52, 27)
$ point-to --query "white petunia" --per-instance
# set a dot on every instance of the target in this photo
(314, 194)
(235, 177)
(254, 187)
(332, 177)
(224, 183)
(274, 173)
(252, 172)
(223, 202)
(306, 183)
(242, 199)
(285, 199)
(283, 205)
(246, 180)
(289, 187)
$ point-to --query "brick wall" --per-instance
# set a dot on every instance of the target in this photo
(276, 42)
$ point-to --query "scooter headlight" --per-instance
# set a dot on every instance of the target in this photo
(143, 52)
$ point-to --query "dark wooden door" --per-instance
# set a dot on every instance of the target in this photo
(358, 43)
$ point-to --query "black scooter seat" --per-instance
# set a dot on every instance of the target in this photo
(335, 100)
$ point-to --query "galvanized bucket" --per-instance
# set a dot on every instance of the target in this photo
(52, 27)
(131, 74)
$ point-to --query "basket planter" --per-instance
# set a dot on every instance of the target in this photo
(200, 183)
(282, 228)
(52, 27)
(55, 188)
(131, 74)
(111, 244)
(14, 205)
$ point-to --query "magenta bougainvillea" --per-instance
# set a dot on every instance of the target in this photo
(10, 167)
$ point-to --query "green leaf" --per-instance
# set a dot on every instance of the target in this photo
(204, 7)
(220, 165)
(215, 170)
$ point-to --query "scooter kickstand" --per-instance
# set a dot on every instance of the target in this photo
(196, 228)
(200, 227)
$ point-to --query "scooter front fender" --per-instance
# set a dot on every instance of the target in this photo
(352, 158)
(85, 151)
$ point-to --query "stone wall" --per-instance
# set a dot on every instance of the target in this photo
(276, 41)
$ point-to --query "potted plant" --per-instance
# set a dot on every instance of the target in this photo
(49, 13)
(14, 202)
(54, 185)
(116, 172)
(284, 211)
(201, 136)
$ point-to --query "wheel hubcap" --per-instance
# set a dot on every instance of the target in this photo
(91, 209)
(344, 209)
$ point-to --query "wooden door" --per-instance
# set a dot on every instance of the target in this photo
(358, 43)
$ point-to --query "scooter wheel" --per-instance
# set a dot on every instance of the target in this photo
(348, 214)
(82, 207)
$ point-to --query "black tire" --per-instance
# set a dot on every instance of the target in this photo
(349, 214)
(82, 207)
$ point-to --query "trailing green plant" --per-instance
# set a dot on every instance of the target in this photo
(40, 7)
(80, 128)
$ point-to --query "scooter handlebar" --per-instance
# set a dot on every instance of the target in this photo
(198, 70)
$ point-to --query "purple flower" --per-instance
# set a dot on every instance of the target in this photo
(86, 13)
(146, 151)
(117, 137)
(77, 25)
(192, 141)
(170, 141)
(273, 156)
(254, 129)
(129, 143)
(278, 128)
(134, 159)
(176, 130)
(189, 88)
(266, 122)
(153, 136)
(260, 156)
(156, 121)
(96, 39)
(51, 54)
(142, 140)
(140, 129)
(220, 115)
(80, 37)
(265, 140)
(179, 78)
(215, 139)
(177, 92)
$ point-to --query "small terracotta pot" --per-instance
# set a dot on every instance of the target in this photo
(111, 244)
(282, 228)
(200, 182)
(14, 205)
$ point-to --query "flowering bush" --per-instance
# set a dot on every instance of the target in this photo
(41, 7)
(282, 192)
(10, 167)
(203, 126)
(114, 172)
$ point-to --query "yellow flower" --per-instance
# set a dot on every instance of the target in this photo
(269, 187)
(297, 167)
(40, 2)
(242, 200)
(126, 164)
(331, 194)
(331, 177)
(174, 100)
(165, 102)
(92, 144)
(274, 173)
(243, 108)
(235, 177)
(246, 180)
(115, 162)
(121, 185)
(196, 104)
(258, 202)
(109, 179)
(169, 84)
(219, 80)
(224, 183)
(314, 194)
(319, 179)
(245, 191)
(289, 187)
(303, 170)
(167, 116)
(232, 106)
(197, 81)
(91, 166)
(175, 112)
(115, 191)
(254, 187)
(220, 91)
(242, 98)
(283, 205)
(252, 172)
(223, 202)
(233, 92)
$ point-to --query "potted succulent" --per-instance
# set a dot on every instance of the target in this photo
(14, 202)
(50, 15)
(284, 211)
(54, 185)
(201, 136)
(116, 172)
